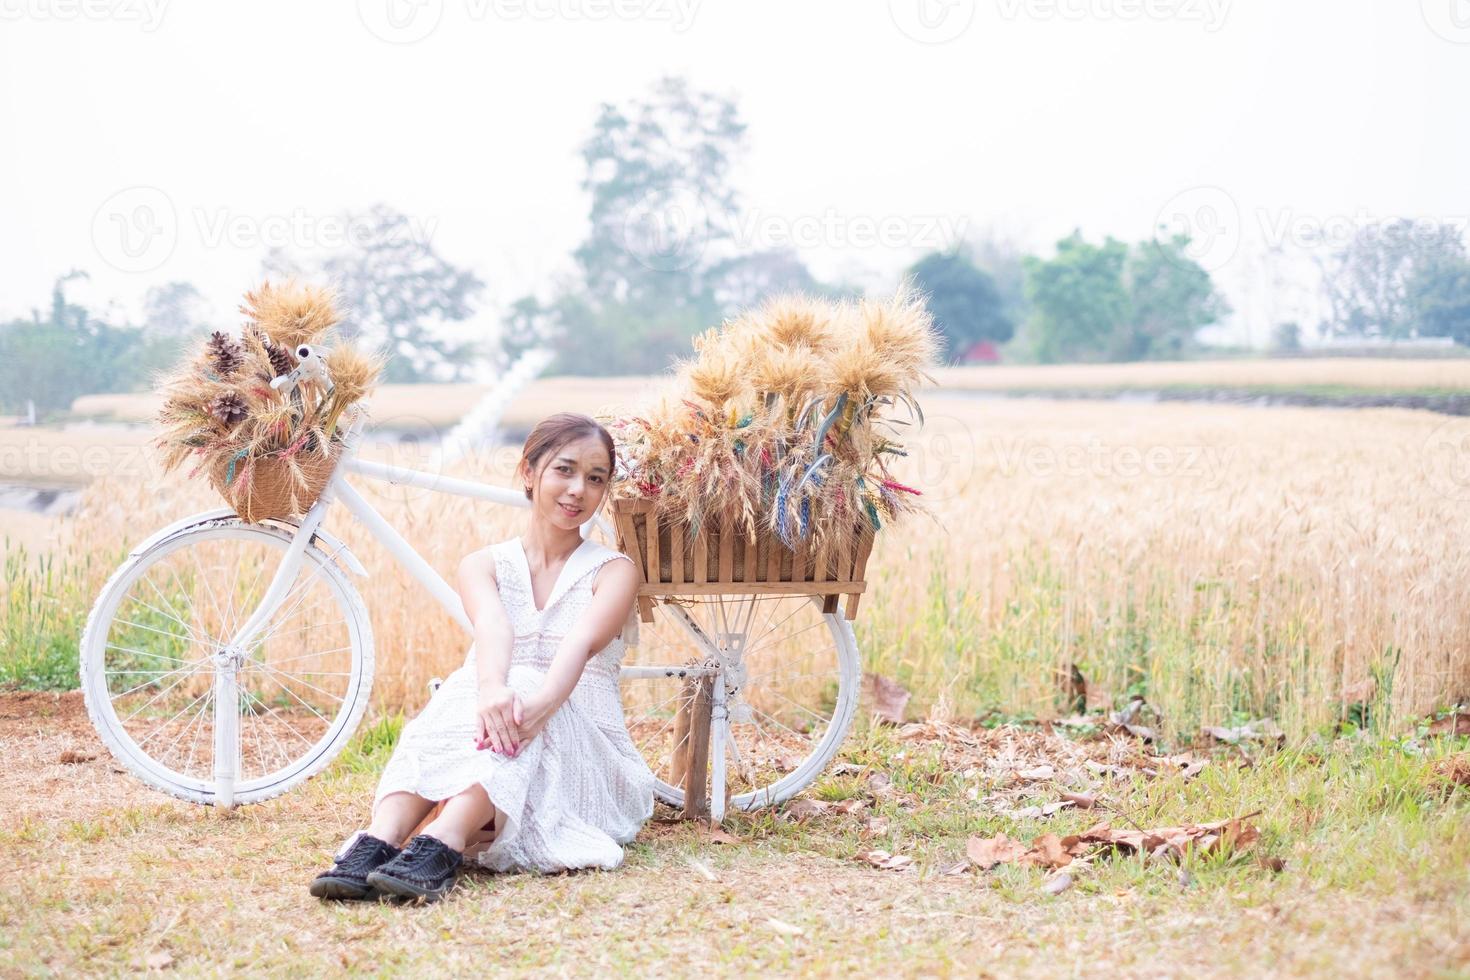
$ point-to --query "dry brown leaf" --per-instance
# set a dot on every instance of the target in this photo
(848, 807)
(875, 827)
(160, 960)
(887, 697)
(986, 853)
(1173, 842)
(879, 784)
(958, 868)
(803, 809)
(74, 756)
(1260, 730)
(1272, 863)
(1455, 768)
(1052, 851)
(1082, 801)
(1452, 724)
(715, 834)
(1036, 773)
(885, 860)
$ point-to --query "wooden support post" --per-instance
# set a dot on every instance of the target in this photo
(696, 778)
(679, 765)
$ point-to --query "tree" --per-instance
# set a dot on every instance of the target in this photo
(1439, 300)
(743, 281)
(1078, 300)
(71, 353)
(966, 305)
(1171, 297)
(399, 293)
(1367, 282)
(658, 173)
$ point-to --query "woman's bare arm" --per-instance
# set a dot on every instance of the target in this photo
(613, 592)
(494, 638)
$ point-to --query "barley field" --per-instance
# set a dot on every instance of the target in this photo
(1223, 563)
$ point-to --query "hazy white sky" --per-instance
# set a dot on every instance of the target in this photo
(213, 128)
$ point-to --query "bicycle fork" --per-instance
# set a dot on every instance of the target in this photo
(230, 659)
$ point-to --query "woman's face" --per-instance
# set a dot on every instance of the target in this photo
(572, 482)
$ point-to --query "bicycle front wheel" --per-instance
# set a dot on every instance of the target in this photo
(160, 630)
(790, 675)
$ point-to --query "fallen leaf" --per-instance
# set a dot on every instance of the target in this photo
(879, 784)
(801, 810)
(1052, 851)
(958, 868)
(1082, 801)
(715, 834)
(848, 769)
(1058, 884)
(785, 928)
(1272, 863)
(986, 853)
(888, 697)
(875, 826)
(74, 756)
(1037, 772)
(1260, 730)
(160, 960)
(1452, 724)
(850, 806)
(787, 763)
(885, 860)
(1455, 768)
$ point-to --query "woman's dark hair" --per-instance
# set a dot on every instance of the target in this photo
(555, 431)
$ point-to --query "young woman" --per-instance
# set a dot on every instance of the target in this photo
(525, 744)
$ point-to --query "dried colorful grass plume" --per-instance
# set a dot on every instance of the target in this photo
(774, 424)
(221, 412)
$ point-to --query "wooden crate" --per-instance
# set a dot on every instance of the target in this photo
(674, 562)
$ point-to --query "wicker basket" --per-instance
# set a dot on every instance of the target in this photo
(273, 492)
(673, 562)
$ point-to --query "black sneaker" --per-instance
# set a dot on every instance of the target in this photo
(424, 869)
(347, 878)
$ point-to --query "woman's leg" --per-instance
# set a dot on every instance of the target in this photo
(396, 815)
(463, 817)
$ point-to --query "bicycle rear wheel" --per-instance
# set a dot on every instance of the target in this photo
(158, 635)
(790, 675)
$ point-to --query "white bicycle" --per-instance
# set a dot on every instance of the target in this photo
(225, 662)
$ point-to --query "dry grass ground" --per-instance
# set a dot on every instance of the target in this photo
(103, 876)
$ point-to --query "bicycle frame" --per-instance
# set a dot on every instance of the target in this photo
(229, 660)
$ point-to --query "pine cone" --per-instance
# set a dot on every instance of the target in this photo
(229, 408)
(224, 354)
(281, 360)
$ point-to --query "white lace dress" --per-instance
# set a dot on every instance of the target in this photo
(576, 792)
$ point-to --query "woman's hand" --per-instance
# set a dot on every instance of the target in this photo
(500, 714)
(535, 713)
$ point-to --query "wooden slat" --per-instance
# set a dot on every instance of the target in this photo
(650, 534)
(773, 560)
(752, 561)
(852, 604)
(645, 608)
(753, 588)
(829, 604)
(676, 542)
(798, 563)
(860, 566)
(701, 556)
(628, 538)
(727, 555)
